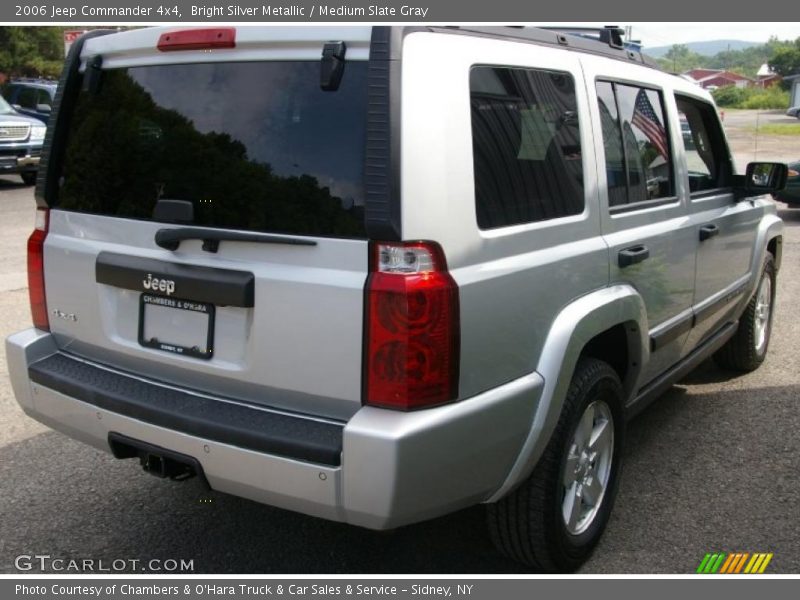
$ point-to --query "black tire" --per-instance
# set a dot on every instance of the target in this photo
(28, 178)
(528, 525)
(743, 352)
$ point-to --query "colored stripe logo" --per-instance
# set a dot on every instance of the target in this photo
(733, 563)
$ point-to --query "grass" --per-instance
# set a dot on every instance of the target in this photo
(778, 129)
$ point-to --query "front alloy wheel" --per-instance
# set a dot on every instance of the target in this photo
(763, 312)
(747, 349)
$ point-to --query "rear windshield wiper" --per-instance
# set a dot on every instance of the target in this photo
(170, 239)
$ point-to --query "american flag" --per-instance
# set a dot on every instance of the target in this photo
(646, 119)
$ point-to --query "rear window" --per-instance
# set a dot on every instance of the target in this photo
(254, 146)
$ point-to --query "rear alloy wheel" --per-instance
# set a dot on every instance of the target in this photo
(747, 349)
(553, 521)
(588, 467)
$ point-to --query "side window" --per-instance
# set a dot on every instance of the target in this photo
(43, 97)
(27, 98)
(525, 145)
(707, 158)
(616, 174)
(638, 156)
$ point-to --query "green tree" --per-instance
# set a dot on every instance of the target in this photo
(786, 60)
(678, 52)
(729, 95)
(680, 58)
(31, 51)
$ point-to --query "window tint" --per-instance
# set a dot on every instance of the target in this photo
(255, 146)
(707, 157)
(638, 157)
(526, 146)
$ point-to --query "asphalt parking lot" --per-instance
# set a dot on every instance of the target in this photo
(712, 466)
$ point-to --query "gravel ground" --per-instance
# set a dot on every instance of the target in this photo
(711, 466)
(741, 127)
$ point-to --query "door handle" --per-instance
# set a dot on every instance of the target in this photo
(708, 231)
(631, 256)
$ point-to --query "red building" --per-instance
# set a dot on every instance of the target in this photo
(717, 78)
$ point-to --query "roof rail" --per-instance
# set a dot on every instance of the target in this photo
(602, 41)
(609, 34)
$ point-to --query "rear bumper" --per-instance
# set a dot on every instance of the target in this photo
(382, 469)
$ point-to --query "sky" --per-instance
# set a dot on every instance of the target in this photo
(666, 34)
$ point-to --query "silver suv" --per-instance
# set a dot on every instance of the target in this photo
(377, 274)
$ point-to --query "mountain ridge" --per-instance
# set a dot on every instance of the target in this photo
(705, 48)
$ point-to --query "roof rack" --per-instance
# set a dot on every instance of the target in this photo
(609, 34)
(604, 41)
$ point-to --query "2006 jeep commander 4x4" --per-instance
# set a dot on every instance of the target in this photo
(380, 274)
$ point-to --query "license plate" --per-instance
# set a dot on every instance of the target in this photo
(175, 325)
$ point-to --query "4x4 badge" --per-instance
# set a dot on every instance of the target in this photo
(66, 316)
(158, 285)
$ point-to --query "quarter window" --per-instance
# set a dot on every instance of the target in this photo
(636, 142)
(526, 146)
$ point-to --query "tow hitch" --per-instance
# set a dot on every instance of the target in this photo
(157, 461)
(161, 466)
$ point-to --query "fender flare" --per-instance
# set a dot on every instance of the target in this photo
(573, 328)
(771, 227)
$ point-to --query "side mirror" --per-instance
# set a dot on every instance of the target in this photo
(43, 108)
(762, 178)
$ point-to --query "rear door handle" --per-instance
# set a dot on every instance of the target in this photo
(708, 231)
(633, 255)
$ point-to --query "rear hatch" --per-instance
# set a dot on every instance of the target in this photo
(208, 226)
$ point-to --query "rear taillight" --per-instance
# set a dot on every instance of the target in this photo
(36, 270)
(197, 39)
(412, 327)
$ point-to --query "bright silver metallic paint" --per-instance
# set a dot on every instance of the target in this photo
(293, 349)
